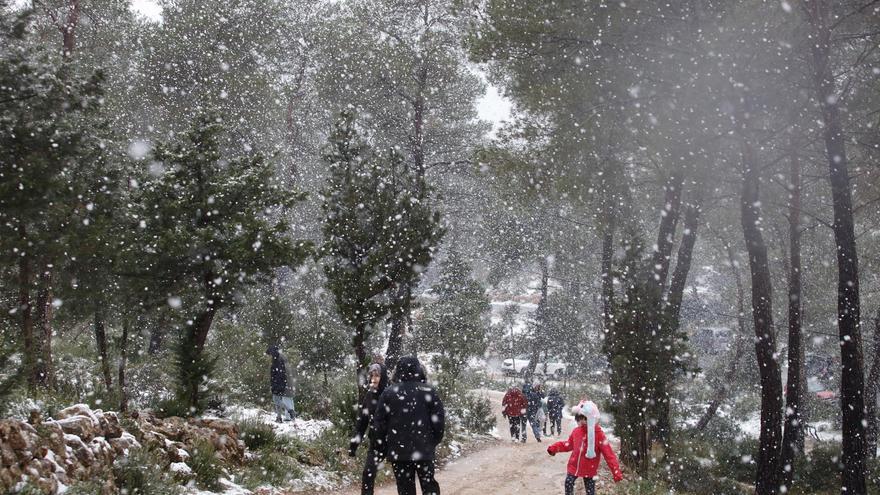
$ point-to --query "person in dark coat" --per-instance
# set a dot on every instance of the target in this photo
(408, 424)
(377, 382)
(555, 405)
(281, 385)
(533, 396)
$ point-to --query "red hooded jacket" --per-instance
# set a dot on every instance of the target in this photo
(514, 403)
(579, 464)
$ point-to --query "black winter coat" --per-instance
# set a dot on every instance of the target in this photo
(366, 411)
(410, 419)
(278, 380)
(555, 404)
(534, 397)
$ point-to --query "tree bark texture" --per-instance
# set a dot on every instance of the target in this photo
(672, 310)
(45, 371)
(768, 469)
(793, 431)
(101, 344)
(27, 319)
(123, 358)
(871, 386)
(852, 384)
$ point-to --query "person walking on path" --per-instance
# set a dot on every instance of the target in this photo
(585, 443)
(555, 405)
(533, 396)
(281, 385)
(514, 405)
(377, 382)
(408, 424)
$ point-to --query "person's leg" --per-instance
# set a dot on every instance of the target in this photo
(405, 474)
(426, 478)
(523, 429)
(371, 467)
(514, 427)
(288, 405)
(536, 428)
(544, 427)
(569, 484)
(590, 486)
(278, 402)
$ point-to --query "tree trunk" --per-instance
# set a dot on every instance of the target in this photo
(157, 335)
(101, 342)
(671, 320)
(202, 326)
(793, 432)
(852, 384)
(27, 319)
(871, 387)
(768, 469)
(45, 372)
(68, 28)
(398, 325)
(666, 233)
(360, 353)
(537, 345)
(123, 357)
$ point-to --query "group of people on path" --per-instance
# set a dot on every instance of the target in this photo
(527, 405)
(403, 420)
(587, 441)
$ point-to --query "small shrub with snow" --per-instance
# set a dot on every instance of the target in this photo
(205, 466)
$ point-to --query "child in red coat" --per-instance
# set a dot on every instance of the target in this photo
(585, 443)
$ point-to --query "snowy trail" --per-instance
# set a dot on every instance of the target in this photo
(506, 467)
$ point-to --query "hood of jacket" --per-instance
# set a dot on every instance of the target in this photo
(383, 377)
(408, 370)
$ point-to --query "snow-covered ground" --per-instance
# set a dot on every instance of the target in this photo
(304, 429)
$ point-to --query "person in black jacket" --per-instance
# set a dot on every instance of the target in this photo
(377, 381)
(408, 425)
(280, 384)
(555, 405)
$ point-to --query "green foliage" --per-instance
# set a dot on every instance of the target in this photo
(205, 465)
(455, 325)
(819, 469)
(273, 468)
(474, 411)
(379, 231)
(256, 434)
(85, 488)
(195, 369)
(143, 473)
(208, 232)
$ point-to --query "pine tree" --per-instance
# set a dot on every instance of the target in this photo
(211, 223)
(51, 170)
(456, 324)
(378, 229)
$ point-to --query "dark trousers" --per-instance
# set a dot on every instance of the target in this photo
(556, 424)
(405, 474)
(517, 427)
(371, 467)
(589, 485)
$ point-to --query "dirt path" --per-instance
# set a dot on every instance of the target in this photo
(507, 467)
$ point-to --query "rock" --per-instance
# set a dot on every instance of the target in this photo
(181, 470)
(109, 424)
(82, 426)
(124, 444)
(77, 410)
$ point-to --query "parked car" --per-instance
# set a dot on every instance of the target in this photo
(551, 366)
